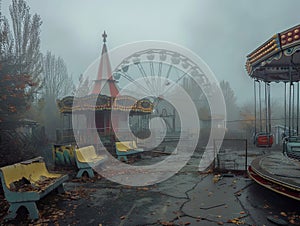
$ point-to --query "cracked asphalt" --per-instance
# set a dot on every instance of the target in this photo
(187, 198)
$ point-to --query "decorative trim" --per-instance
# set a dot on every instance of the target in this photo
(104, 103)
(283, 44)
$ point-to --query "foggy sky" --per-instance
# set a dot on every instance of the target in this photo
(221, 32)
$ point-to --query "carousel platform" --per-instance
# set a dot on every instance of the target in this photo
(278, 173)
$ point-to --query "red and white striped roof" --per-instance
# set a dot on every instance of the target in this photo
(104, 83)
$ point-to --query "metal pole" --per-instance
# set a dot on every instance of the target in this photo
(254, 107)
(174, 123)
(293, 109)
(290, 94)
(246, 159)
(285, 107)
(259, 97)
(266, 106)
(215, 155)
(269, 106)
(297, 108)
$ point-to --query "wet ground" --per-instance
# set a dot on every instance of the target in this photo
(187, 198)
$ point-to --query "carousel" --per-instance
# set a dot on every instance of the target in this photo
(104, 89)
(277, 61)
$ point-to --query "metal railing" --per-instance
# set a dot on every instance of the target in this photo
(232, 155)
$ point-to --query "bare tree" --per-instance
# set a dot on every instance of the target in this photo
(6, 41)
(20, 61)
(83, 87)
(26, 41)
(56, 81)
(20, 67)
(230, 101)
(56, 84)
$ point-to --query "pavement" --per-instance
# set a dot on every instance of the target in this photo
(187, 198)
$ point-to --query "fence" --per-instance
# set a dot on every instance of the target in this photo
(232, 154)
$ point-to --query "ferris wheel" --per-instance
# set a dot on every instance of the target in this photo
(156, 73)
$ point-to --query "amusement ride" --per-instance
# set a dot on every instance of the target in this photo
(277, 61)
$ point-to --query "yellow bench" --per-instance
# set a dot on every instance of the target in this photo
(86, 159)
(125, 148)
(26, 182)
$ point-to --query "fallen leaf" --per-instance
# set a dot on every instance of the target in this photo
(216, 178)
(292, 221)
(167, 223)
(283, 214)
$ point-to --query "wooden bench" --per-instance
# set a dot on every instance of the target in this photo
(26, 182)
(86, 159)
(125, 148)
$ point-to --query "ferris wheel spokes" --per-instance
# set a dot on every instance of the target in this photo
(176, 82)
(135, 82)
(144, 74)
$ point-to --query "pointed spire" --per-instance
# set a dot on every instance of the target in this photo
(104, 83)
(104, 36)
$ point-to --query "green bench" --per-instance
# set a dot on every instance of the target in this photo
(26, 182)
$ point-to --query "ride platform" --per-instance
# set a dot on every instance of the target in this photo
(278, 173)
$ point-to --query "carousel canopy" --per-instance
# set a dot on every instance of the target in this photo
(71, 104)
(278, 59)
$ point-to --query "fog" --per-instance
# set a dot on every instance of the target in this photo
(222, 33)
